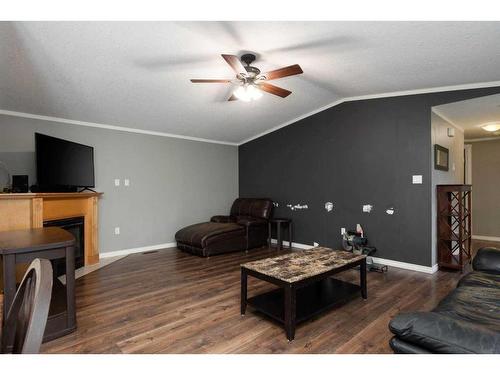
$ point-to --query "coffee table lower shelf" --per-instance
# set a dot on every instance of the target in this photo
(311, 300)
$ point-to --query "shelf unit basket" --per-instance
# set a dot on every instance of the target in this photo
(454, 226)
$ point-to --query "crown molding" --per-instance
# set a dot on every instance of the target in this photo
(110, 127)
(440, 114)
(468, 86)
(482, 139)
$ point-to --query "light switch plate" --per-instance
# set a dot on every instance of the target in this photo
(126, 182)
(417, 179)
(117, 182)
(117, 230)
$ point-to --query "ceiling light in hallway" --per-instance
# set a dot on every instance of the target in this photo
(491, 127)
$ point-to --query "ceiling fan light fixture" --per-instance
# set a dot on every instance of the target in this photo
(250, 79)
(493, 127)
(247, 93)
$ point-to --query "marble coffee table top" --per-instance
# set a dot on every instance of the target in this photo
(303, 264)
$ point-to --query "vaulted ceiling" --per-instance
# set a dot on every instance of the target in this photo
(136, 74)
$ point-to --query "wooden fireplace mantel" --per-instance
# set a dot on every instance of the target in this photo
(30, 210)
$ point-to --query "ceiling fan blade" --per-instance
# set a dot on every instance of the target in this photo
(210, 80)
(235, 63)
(275, 90)
(283, 72)
(232, 98)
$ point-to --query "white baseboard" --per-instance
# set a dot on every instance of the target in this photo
(137, 250)
(387, 262)
(406, 266)
(486, 238)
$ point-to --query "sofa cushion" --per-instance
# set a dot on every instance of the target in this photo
(439, 333)
(476, 300)
(200, 235)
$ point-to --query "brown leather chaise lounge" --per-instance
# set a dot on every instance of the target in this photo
(246, 227)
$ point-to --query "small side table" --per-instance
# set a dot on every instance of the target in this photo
(286, 223)
(22, 246)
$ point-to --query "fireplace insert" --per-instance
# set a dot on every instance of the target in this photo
(74, 225)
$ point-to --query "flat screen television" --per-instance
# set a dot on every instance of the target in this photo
(63, 165)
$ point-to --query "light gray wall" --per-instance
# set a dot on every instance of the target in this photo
(173, 182)
(455, 175)
(486, 188)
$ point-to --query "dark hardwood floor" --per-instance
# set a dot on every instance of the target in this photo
(171, 302)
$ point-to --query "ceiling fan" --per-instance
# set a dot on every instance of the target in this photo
(251, 81)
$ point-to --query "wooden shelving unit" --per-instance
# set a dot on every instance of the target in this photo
(454, 226)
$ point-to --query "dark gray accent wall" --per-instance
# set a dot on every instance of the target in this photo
(360, 152)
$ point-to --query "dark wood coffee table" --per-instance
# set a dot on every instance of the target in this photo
(305, 286)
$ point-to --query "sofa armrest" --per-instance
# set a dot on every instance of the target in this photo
(248, 221)
(442, 334)
(399, 346)
(487, 259)
(223, 219)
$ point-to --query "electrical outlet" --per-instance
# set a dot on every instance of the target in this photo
(126, 182)
(117, 182)
(117, 230)
(342, 231)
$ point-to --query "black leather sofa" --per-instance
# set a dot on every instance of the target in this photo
(465, 321)
(244, 228)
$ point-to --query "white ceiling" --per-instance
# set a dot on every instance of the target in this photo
(136, 74)
(471, 114)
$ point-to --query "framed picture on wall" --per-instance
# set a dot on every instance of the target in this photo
(441, 158)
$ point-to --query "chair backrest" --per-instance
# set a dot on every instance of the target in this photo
(254, 207)
(25, 322)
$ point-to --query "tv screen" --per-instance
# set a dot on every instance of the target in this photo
(61, 163)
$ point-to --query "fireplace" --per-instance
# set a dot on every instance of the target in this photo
(74, 225)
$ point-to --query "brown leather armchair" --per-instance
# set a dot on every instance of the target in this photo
(244, 228)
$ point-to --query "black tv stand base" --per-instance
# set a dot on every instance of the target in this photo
(89, 189)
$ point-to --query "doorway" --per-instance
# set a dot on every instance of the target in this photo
(479, 119)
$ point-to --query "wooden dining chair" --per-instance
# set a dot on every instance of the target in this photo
(27, 316)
